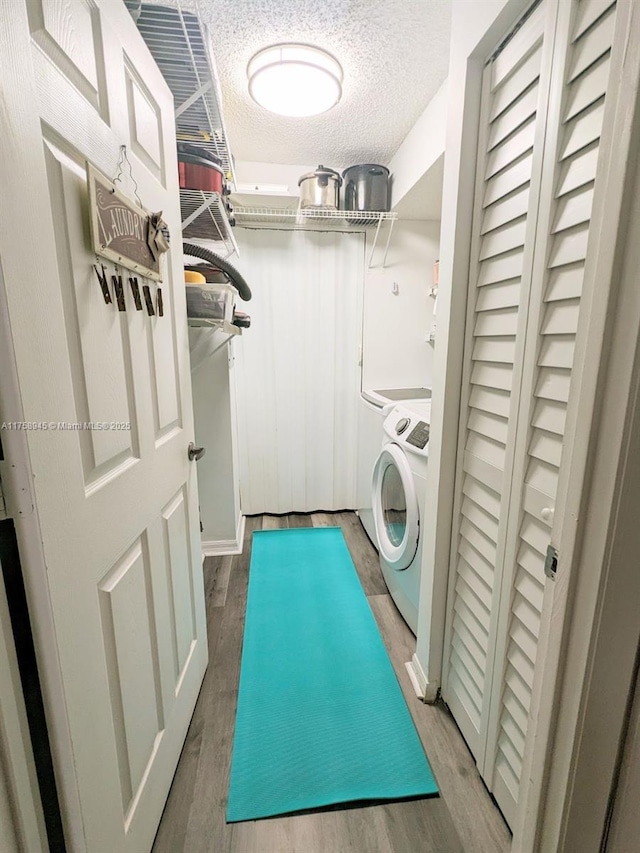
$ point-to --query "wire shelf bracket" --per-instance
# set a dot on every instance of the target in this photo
(370, 265)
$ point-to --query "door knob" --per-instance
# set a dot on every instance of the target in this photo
(547, 514)
(194, 453)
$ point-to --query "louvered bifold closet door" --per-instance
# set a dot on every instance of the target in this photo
(508, 170)
(580, 75)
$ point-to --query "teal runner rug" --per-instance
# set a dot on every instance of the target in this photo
(321, 718)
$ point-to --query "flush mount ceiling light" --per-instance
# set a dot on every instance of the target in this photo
(295, 79)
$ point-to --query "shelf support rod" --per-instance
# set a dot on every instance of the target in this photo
(221, 344)
(228, 238)
(386, 248)
(206, 204)
(375, 240)
(234, 244)
(193, 98)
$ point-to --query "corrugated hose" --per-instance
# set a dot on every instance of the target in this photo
(235, 278)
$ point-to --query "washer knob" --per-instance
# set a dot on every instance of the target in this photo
(401, 426)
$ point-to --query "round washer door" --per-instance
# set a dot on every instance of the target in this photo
(395, 508)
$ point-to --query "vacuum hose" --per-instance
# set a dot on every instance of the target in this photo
(236, 279)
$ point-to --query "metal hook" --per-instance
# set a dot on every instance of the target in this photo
(122, 160)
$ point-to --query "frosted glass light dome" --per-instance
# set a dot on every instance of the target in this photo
(295, 79)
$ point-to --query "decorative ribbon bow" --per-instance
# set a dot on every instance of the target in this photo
(158, 235)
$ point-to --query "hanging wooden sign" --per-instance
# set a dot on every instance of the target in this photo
(121, 230)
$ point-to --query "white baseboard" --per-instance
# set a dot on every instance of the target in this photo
(425, 691)
(221, 547)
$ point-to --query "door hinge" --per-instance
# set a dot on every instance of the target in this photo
(551, 563)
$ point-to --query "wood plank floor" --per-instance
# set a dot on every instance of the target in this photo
(462, 820)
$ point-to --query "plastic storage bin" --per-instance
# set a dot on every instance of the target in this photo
(210, 303)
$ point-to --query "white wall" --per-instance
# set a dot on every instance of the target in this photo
(477, 26)
(395, 353)
(214, 416)
(253, 176)
(422, 146)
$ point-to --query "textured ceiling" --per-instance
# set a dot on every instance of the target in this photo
(394, 54)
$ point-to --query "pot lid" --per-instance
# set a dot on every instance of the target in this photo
(322, 171)
(194, 160)
(366, 166)
(198, 151)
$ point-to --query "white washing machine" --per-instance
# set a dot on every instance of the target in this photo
(373, 409)
(399, 487)
(371, 418)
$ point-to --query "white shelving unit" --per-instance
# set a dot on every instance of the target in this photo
(181, 47)
(204, 217)
(309, 219)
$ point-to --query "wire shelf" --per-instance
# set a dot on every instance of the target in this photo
(307, 217)
(181, 46)
(204, 217)
(297, 218)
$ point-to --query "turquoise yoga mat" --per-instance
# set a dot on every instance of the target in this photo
(321, 718)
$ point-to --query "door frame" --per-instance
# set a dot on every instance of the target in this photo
(17, 483)
(21, 815)
(624, 818)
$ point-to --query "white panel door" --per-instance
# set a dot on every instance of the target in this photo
(508, 177)
(117, 508)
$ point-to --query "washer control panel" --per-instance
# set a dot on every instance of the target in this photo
(408, 426)
(419, 435)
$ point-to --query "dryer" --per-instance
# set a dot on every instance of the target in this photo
(398, 495)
